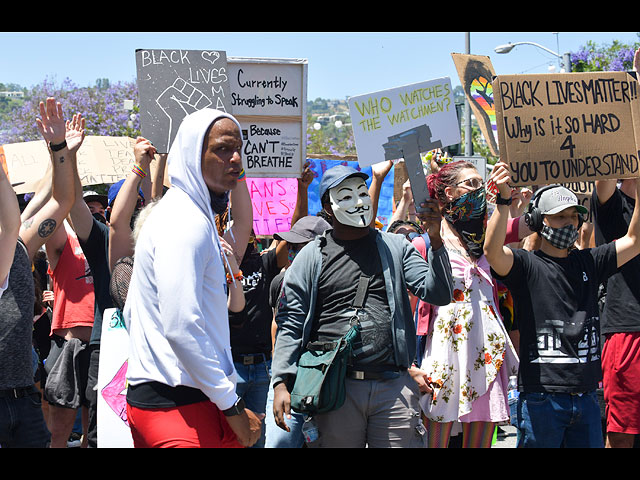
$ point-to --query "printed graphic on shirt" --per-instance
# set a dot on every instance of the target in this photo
(567, 342)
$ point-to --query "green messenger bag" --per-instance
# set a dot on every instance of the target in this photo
(320, 380)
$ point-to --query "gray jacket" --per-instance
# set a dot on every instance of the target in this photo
(403, 268)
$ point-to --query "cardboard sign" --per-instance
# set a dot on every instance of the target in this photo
(583, 191)
(378, 117)
(101, 159)
(175, 83)
(269, 99)
(560, 128)
(273, 201)
(476, 74)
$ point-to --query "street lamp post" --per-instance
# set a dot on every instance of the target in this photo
(566, 58)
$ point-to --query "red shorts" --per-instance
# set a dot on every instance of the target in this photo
(621, 382)
(197, 425)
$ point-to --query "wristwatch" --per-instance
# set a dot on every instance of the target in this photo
(502, 201)
(236, 409)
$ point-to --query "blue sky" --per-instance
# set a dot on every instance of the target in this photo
(341, 64)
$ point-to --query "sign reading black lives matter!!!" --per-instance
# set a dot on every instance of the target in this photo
(570, 127)
(175, 83)
(269, 99)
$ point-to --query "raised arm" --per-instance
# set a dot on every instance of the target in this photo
(301, 210)
(9, 225)
(120, 241)
(36, 230)
(499, 257)
(242, 214)
(628, 246)
(378, 173)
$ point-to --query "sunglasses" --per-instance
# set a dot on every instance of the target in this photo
(473, 183)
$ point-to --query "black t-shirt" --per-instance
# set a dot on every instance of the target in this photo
(622, 306)
(96, 251)
(251, 328)
(342, 263)
(557, 310)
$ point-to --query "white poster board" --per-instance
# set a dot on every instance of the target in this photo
(113, 429)
(269, 99)
(377, 116)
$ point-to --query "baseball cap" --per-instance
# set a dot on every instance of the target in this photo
(91, 196)
(304, 230)
(115, 188)
(335, 175)
(558, 198)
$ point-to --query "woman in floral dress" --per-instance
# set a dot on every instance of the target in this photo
(468, 355)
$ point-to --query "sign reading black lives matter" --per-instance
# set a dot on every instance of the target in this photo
(569, 127)
(269, 99)
(175, 83)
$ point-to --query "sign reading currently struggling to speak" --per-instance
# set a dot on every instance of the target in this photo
(379, 117)
(571, 127)
(269, 99)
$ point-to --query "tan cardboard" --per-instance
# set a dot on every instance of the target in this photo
(568, 127)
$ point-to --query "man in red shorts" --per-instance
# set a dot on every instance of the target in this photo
(620, 323)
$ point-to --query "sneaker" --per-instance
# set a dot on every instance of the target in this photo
(75, 440)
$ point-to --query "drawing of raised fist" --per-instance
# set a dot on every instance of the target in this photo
(179, 100)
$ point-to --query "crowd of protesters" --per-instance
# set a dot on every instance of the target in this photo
(481, 284)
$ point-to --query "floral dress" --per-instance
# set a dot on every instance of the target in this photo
(467, 350)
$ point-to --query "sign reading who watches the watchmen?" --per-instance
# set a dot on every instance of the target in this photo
(571, 127)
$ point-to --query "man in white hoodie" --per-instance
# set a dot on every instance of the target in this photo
(182, 382)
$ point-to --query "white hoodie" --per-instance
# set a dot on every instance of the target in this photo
(176, 309)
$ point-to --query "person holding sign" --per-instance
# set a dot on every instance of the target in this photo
(612, 209)
(555, 291)
(468, 355)
(182, 382)
(318, 292)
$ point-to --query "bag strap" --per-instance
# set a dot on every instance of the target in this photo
(361, 293)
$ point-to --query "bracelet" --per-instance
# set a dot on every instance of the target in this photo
(242, 175)
(139, 171)
(58, 147)
(238, 276)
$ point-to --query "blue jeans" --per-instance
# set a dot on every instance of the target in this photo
(22, 423)
(278, 438)
(253, 387)
(553, 420)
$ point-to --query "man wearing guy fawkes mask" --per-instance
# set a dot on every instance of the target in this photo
(316, 305)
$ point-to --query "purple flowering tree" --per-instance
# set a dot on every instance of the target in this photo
(614, 57)
(102, 107)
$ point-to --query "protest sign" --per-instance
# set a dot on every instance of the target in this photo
(100, 159)
(583, 191)
(560, 128)
(273, 201)
(113, 427)
(175, 83)
(476, 74)
(269, 99)
(379, 117)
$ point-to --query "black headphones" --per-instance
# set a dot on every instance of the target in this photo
(533, 216)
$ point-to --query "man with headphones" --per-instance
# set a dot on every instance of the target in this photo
(555, 295)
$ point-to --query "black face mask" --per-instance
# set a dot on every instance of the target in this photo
(219, 202)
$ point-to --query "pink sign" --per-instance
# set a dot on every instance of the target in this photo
(273, 200)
